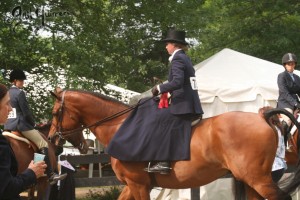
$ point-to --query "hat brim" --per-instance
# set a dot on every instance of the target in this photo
(175, 41)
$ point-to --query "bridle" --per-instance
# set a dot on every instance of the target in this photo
(62, 135)
(59, 129)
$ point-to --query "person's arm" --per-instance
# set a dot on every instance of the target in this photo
(25, 108)
(177, 70)
(297, 82)
(10, 185)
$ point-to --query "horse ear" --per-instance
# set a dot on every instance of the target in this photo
(55, 95)
(58, 90)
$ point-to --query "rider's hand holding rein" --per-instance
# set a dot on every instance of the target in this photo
(38, 168)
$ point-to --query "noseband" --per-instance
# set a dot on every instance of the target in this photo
(59, 132)
(62, 135)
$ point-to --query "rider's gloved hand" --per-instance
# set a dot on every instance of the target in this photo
(155, 90)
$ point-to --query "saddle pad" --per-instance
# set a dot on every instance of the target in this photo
(9, 134)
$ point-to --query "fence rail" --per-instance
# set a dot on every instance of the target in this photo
(112, 180)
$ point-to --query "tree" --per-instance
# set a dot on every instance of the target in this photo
(265, 29)
(117, 41)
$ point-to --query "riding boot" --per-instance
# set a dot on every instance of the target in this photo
(52, 176)
(287, 134)
(161, 167)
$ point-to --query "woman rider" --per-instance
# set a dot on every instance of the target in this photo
(21, 119)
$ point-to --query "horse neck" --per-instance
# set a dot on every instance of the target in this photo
(94, 109)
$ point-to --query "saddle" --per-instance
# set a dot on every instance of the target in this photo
(16, 135)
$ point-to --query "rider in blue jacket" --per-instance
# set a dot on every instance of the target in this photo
(21, 119)
(181, 85)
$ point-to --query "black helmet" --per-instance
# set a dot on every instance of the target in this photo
(289, 57)
(17, 74)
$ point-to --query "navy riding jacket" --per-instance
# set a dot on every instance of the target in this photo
(288, 90)
(21, 118)
(184, 99)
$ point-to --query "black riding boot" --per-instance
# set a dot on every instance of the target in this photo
(52, 176)
(161, 167)
(287, 134)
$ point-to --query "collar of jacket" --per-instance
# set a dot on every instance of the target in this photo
(171, 57)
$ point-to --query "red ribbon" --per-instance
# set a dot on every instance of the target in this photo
(164, 102)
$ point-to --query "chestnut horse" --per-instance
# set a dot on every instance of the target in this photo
(24, 154)
(78, 141)
(238, 143)
(292, 155)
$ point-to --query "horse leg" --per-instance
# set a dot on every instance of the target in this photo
(139, 191)
(43, 189)
(134, 191)
(252, 194)
(266, 189)
(126, 194)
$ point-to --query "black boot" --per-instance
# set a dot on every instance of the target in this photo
(53, 177)
(161, 167)
(287, 134)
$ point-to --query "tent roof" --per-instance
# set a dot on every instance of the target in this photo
(236, 77)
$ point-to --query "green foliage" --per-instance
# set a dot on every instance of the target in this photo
(117, 41)
(265, 29)
(111, 194)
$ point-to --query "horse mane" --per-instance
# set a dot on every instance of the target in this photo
(98, 95)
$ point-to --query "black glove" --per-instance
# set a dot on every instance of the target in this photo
(155, 91)
(297, 105)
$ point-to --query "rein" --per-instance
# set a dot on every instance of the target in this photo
(62, 134)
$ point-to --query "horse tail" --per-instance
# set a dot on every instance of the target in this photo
(238, 189)
(271, 112)
(295, 180)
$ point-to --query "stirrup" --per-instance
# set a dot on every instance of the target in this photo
(147, 169)
(163, 171)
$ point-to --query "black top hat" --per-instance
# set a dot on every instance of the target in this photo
(176, 37)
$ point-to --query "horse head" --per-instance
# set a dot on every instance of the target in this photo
(63, 123)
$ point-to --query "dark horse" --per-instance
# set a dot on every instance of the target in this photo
(239, 143)
(24, 154)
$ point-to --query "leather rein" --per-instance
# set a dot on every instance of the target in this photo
(65, 134)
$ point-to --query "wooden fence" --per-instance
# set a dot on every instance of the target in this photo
(112, 180)
(91, 159)
(102, 181)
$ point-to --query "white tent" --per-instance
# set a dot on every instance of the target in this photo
(229, 81)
